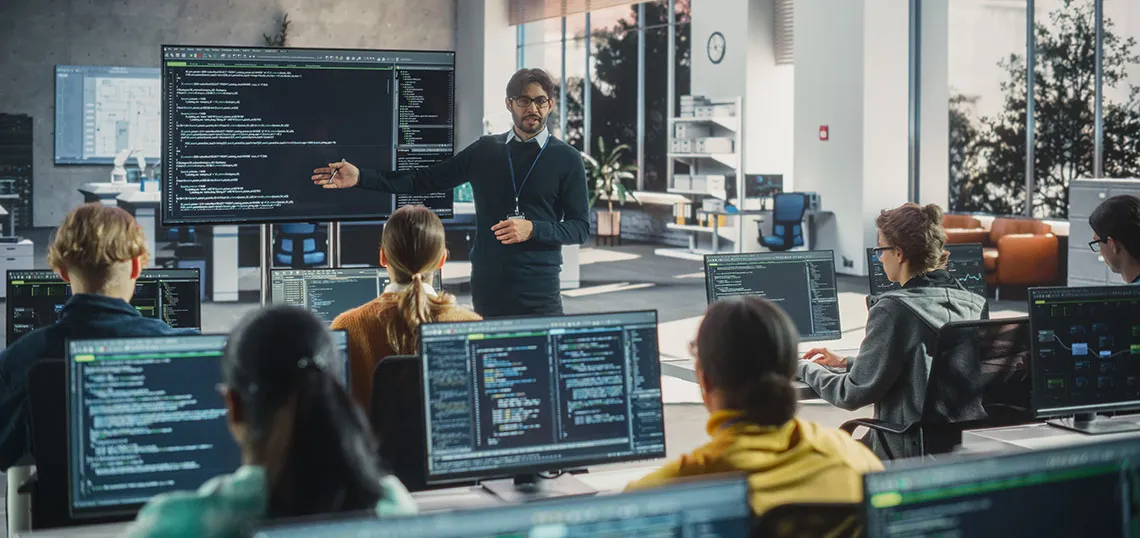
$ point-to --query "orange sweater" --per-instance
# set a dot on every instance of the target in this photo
(367, 343)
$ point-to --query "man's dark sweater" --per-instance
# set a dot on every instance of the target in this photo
(554, 199)
(84, 316)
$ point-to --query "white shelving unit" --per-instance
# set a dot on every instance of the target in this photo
(704, 118)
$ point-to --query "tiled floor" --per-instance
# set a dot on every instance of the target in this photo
(631, 277)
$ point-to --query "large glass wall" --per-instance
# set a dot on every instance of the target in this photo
(989, 113)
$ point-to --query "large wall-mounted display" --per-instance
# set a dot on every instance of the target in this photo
(102, 110)
(244, 128)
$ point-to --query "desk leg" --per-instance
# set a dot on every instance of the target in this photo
(810, 218)
(716, 234)
(146, 219)
(225, 268)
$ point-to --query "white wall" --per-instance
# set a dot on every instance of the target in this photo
(829, 91)
(769, 101)
(485, 60)
(729, 17)
(934, 154)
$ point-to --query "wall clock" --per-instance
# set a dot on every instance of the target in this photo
(716, 47)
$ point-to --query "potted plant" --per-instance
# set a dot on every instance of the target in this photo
(606, 176)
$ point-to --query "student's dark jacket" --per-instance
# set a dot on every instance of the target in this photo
(554, 199)
(84, 316)
(893, 364)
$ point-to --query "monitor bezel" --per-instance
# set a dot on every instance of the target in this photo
(872, 259)
(498, 472)
(709, 299)
(165, 179)
(10, 305)
(115, 511)
(1054, 412)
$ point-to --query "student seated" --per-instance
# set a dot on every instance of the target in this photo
(100, 250)
(745, 359)
(412, 248)
(306, 448)
(902, 328)
(1116, 235)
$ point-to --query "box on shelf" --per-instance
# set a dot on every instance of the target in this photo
(690, 130)
(682, 145)
(714, 145)
(714, 205)
(682, 182)
(714, 183)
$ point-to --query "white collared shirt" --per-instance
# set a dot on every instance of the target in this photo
(393, 287)
(539, 138)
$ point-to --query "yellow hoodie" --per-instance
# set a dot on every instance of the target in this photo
(796, 462)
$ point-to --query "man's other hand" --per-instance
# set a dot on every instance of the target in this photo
(347, 176)
(512, 231)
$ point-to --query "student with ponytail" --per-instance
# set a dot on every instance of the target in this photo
(745, 361)
(306, 448)
(892, 366)
(412, 247)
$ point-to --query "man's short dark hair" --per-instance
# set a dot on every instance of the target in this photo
(1119, 218)
(525, 77)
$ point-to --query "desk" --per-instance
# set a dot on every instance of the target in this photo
(144, 206)
(1036, 436)
(606, 481)
(716, 223)
(106, 192)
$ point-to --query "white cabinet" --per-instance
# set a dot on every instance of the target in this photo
(15, 256)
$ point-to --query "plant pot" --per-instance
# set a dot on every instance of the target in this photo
(609, 223)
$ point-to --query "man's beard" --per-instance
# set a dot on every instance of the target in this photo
(521, 123)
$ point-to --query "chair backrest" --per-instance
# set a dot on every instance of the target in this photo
(397, 415)
(837, 520)
(979, 377)
(47, 403)
(960, 222)
(1002, 227)
(789, 207)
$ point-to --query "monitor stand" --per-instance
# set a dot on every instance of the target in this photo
(1089, 423)
(529, 487)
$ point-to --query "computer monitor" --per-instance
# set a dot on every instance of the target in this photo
(1082, 490)
(327, 292)
(802, 283)
(965, 264)
(145, 417)
(1086, 355)
(713, 507)
(102, 110)
(36, 299)
(520, 396)
(244, 127)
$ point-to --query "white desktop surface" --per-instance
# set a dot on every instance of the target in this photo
(1037, 436)
(606, 481)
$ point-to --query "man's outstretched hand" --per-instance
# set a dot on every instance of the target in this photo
(347, 175)
(512, 231)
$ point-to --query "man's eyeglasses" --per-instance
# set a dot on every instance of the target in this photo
(1095, 244)
(525, 102)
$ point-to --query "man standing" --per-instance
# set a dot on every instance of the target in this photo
(531, 185)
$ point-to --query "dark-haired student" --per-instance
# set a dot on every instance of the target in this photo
(745, 361)
(412, 248)
(1116, 235)
(530, 199)
(306, 448)
(100, 250)
(891, 369)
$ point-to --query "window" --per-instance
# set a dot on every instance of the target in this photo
(1121, 156)
(987, 105)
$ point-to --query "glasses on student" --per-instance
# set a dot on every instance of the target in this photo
(1095, 244)
(525, 102)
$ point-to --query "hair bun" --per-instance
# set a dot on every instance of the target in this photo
(772, 398)
(933, 212)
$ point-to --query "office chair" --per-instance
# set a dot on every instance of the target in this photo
(803, 520)
(311, 240)
(397, 415)
(979, 378)
(787, 222)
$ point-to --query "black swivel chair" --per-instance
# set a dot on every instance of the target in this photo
(787, 222)
(979, 378)
(810, 520)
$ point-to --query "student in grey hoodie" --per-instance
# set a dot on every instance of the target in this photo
(893, 363)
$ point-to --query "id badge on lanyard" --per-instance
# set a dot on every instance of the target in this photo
(518, 214)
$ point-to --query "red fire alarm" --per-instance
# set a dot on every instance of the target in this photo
(823, 133)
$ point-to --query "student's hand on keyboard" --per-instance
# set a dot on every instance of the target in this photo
(824, 357)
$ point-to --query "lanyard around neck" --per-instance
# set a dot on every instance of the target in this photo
(511, 166)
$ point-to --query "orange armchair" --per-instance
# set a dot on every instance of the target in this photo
(1021, 252)
(963, 229)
